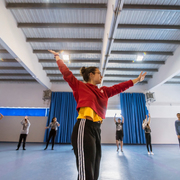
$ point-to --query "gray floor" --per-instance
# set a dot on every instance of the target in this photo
(133, 164)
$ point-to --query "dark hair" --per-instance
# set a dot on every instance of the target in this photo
(52, 119)
(86, 71)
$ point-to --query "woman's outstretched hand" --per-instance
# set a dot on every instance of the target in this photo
(56, 54)
(140, 77)
(53, 52)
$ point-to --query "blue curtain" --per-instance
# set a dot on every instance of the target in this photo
(134, 110)
(63, 107)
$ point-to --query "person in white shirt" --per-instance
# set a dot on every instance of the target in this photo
(24, 132)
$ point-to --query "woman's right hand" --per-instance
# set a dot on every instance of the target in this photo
(56, 54)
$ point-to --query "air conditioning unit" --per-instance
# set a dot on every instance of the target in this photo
(150, 97)
(47, 95)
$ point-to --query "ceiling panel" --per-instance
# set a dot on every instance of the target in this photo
(59, 16)
(156, 34)
(66, 46)
(150, 17)
(63, 32)
(153, 2)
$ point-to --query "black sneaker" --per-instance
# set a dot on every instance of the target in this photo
(52, 149)
(45, 148)
(24, 149)
(17, 149)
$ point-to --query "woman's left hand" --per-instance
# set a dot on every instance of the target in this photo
(141, 76)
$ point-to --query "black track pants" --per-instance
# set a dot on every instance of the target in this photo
(52, 135)
(22, 137)
(86, 141)
(148, 141)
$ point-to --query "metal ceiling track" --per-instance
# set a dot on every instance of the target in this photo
(69, 40)
(149, 26)
(150, 7)
(60, 25)
(56, 6)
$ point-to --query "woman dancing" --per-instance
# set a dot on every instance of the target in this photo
(91, 107)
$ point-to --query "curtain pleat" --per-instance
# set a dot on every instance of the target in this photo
(134, 110)
(63, 107)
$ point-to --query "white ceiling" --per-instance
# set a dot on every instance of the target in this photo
(80, 26)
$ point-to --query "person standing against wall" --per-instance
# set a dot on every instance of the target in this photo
(119, 132)
(146, 127)
(24, 132)
(177, 127)
(54, 126)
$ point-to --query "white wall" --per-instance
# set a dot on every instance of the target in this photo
(21, 95)
(10, 128)
(163, 111)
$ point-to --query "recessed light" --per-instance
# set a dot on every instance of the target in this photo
(140, 58)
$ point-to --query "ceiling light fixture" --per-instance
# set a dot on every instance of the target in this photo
(140, 57)
(64, 56)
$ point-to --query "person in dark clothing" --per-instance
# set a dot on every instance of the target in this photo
(177, 127)
(146, 127)
(91, 107)
(54, 126)
(24, 132)
(119, 132)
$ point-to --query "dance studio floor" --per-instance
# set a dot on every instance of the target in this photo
(59, 164)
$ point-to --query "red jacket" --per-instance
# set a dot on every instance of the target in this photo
(89, 95)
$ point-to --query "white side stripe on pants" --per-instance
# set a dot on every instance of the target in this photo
(80, 147)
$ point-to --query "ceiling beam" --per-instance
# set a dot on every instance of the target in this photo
(149, 26)
(15, 74)
(60, 25)
(3, 51)
(56, 68)
(8, 60)
(71, 60)
(145, 41)
(125, 76)
(176, 77)
(56, 6)
(132, 69)
(60, 75)
(107, 75)
(19, 80)
(170, 82)
(166, 53)
(150, 7)
(69, 40)
(135, 62)
(70, 51)
(11, 68)
(116, 81)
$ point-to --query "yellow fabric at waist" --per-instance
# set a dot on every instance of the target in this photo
(87, 111)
